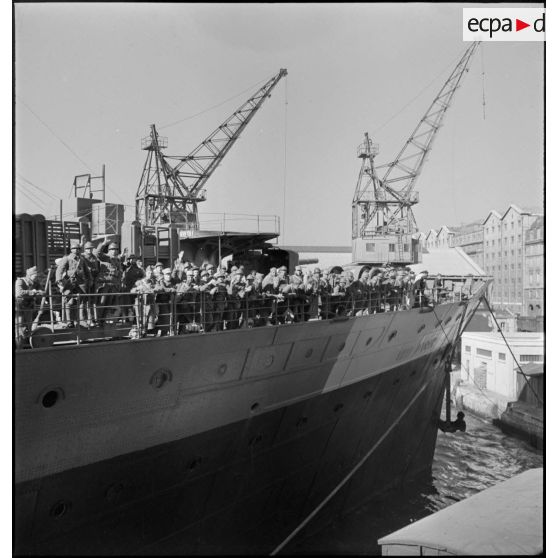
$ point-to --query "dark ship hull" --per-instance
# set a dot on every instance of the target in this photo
(223, 442)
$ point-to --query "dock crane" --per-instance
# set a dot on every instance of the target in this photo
(171, 187)
(383, 225)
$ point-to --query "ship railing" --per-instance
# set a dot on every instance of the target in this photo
(80, 318)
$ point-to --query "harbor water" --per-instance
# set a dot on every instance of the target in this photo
(464, 463)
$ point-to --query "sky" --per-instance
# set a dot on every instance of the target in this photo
(91, 78)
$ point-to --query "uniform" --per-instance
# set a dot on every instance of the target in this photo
(27, 294)
(109, 282)
(73, 279)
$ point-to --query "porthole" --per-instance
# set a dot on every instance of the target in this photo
(59, 509)
(50, 396)
(421, 328)
(268, 360)
(160, 378)
(447, 320)
(222, 369)
(112, 493)
(255, 408)
(392, 335)
(194, 464)
(368, 341)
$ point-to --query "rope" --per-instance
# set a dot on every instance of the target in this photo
(347, 477)
(511, 352)
(482, 74)
(53, 132)
(451, 64)
(285, 167)
(213, 107)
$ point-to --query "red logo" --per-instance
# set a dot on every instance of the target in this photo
(519, 25)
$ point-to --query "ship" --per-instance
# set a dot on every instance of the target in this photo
(232, 441)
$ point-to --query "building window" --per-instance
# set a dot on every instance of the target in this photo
(370, 246)
(468, 348)
(530, 358)
(484, 352)
(392, 247)
(501, 356)
(405, 247)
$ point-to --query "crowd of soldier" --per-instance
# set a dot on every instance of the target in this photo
(94, 287)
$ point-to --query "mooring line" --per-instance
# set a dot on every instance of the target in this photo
(347, 477)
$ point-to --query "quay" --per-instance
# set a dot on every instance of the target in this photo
(505, 519)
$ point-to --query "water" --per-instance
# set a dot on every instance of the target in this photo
(464, 463)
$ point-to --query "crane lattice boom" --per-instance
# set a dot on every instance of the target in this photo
(382, 208)
(171, 186)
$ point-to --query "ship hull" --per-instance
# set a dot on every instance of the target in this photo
(223, 442)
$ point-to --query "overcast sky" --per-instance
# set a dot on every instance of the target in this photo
(91, 78)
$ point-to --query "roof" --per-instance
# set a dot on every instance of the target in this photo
(492, 212)
(315, 249)
(505, 519)
(448, 261)
(532, 369)
(538, 222)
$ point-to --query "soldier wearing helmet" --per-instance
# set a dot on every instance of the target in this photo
(27, 291)
(109, 281)
(72, 277)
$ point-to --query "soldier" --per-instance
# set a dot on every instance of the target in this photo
(27, 293)
(130, 276)
(235, 291)
(357, 292)
(419, 286)
(72, 277)
(165, 302)
(317, 290)
(158, 271)
(145, 307)
(219, 300)
(187, 294)
(93, 265)
(179, 267)
(109, 280)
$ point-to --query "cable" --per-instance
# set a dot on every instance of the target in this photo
(52, 132)
(212, 107)
(349, 475)
(285, 166)
(452, 63)
(38, 187)
(511, 352)
(30, 198)
(483, 97)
